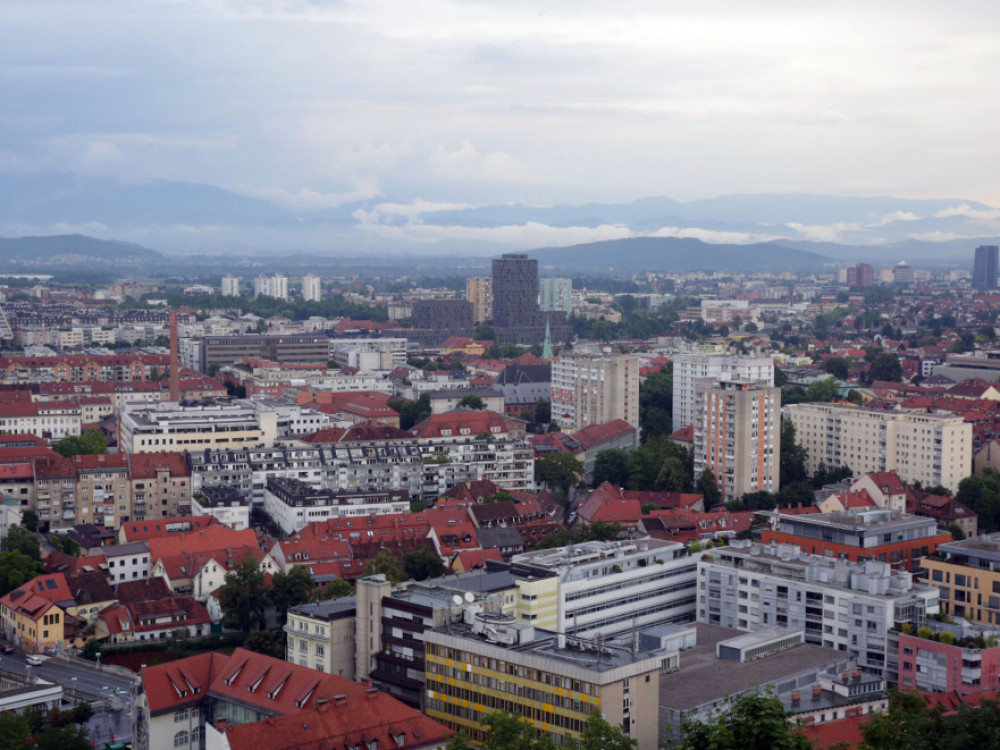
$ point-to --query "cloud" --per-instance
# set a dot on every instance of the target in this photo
(713, 235)
(310, 200)
(892, 218)
(466, 162)
(968, 212)
(521, 236)
(825, 232)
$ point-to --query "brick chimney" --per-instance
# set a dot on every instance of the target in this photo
(175, 360)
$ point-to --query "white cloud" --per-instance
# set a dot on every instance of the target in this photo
(411, 211)
(311, 200)
(893, 217)
(522, 236)
(968, 212)
(712, 235)
(825, 232)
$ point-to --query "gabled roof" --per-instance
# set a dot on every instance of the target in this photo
(160, 527)
(181, 683)
(147, 465)
(374, 719)
(595, 434)
(361, 432)
(470, 422)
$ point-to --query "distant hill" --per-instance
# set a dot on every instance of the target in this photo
(73, 249)
(677, 254)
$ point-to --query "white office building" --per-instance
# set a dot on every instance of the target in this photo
(689, 368)
(312, 288)
(230, 286)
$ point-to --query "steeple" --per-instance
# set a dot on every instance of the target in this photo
(547, 346)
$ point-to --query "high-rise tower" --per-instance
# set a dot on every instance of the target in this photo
(984, 268)
(175, 360)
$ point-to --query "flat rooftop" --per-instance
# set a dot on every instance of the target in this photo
(867, 520)
(704, 678)
(328, 609)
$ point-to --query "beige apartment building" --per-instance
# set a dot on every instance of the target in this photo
(933, 449)
(479, 291)
(595, 389)
(168, 426)
(737, 435)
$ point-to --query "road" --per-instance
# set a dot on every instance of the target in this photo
(91, 684)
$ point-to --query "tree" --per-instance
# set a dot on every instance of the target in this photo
(291, 589)
(543, 412)
(611, 466)
(65, 544)
(793, 456)
(87, 443)
(780, 378)
(656, 404)
(601, 735)
(754, 721)
(16, 569)
(29, 519)
(822, 390)
(707, 487)
(19, 539)
(559, 470)
(512, 732)
(423, 563)
(673, 477)
(885, 366)
(244, 597)
(957, 534)
(335, 589)
(839, 367)
(472, 401)
(387, 564)
(266, 642)
(90, 649)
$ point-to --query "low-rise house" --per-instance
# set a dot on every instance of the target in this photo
(36, 614)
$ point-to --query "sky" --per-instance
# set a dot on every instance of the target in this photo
(420, 103)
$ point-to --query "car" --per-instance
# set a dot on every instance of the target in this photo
(35, 660)
(6, 649)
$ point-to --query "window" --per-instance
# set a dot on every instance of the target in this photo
(181, 715)
(181, 739)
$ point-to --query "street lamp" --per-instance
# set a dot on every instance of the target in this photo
(98, 661)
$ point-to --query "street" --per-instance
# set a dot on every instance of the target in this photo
(92, 685)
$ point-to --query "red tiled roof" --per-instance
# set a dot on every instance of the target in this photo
(146, 465)
(685, 434)
(374, 719)
(361, 432)
(136, 531)
(476, 558)
(825, 736)
(607, 503)
(595, 434)
(181, 683)
(101, 462)
(471, 421)
(22, 438)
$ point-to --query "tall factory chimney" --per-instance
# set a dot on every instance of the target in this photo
(175, 360)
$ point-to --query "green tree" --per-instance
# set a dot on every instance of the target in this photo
(387, 564)
(423, 563)
(601, 735)
(822, 390)
(754, 721)
(611, 466)
(65, 544)
(472, 401)
(512, 732)
(559, 470)
(29, 519)
(19, 539)
(244, 597)
(87, 443)
(780, 378)
(885, 366)
(957, 534)
(673, 476)
(839, 367)
(335, 589)
(90, 649)
(793, 456)
(707, 487)
(290, 589)
(656, 404)
(266, 642)
(543, 412)
(16, 569)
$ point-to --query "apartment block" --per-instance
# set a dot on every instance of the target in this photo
(168, 426)
(230, 286)
(292, 504)
(292, 348)
(492, 662)
(594, 389)
(933, 449)
(967, 573)
(689, 368)
(320, 635)
(737, 435)
(479, 291)
(898, 539)
(556, 294)
(312, 288)
(607, 587)
(839, 604)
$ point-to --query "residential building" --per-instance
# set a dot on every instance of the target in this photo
(230, 286)
(523, 386)
(556, 294)
(10, 515)
(271, 286)
(985, 267)
(589, 442)
(103, 489)
(321, 635)
(860, 534)
(226, 504)
(312, 288)
(479, 291)
(689, 368)
(448, 399)
(127, 562)
(933, 449)
(167, 426)
(292, 504)
(838, 604)
(737, 435)
(157, 619)
(290, 348)
(606, 588)
(966, 661)
(594, 389)
(161, 485)
(517, 317)
(862, 274)
(967, 573)
(434, 320)
(35, 615)
(492, 662)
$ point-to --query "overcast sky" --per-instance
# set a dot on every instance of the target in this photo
(473, 102)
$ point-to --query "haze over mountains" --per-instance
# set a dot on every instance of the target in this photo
(184, 218)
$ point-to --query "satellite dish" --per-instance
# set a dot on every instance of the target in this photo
(456, 600)
(470, 597)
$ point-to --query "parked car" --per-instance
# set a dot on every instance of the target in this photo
(35, 660)
(5, 649)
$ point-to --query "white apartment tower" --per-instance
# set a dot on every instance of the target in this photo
(312, 288)
(933, 449)
(594, 389)
(479, 291)
(230, 286)
(271, 286)
(556, 294)
(691, 367)
(737, 435)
